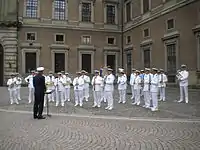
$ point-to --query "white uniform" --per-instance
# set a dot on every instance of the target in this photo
(59, 84)
(122, 88)
(86, 87)
(146, 90)
(11, 83)
(50, 84)
(132, 79)
(18, 87)
(78, 84)
(183, 83)
(103, 91)
(137, 88)
(162, 85)
(109, 88)
(97, 83)
(29, 80)
(154, 91)
(68, 82)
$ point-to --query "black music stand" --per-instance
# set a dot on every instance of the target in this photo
(47, 99)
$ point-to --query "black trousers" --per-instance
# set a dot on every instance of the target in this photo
(38, 104)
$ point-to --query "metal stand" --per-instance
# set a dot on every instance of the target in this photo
(47, 99)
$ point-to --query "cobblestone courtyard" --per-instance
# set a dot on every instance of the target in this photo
(174, 127)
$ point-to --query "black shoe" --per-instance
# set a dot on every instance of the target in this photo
(35, 117)
(41, 117)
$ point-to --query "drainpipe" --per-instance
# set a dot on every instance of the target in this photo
(122, 32)
(17, 29)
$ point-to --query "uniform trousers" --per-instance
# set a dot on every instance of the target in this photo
(147, 98)
(18, 95)
(38, 104)
(78, 96)
(162, 93)
(184, 90)
(67, 94)
(31, 94)
(86, 93)
(103, 95)
(109, 98)
(122, 95)
(133, 92)
(154, 99)
(60, 97)
(12, 94)
(137, 95)
(97, 98)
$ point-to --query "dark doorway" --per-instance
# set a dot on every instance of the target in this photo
(1, 64)
(86, 62)
(111, 62)
(147, 58)
(30, 61)
(129, 62)
(59, 62)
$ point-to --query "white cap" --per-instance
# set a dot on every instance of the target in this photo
(40, 69)
(183, 65)
(121, 70)
(109, 69)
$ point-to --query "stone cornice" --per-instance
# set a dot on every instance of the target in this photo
(86, 47)
(128, 47)
(196, 29)
(146, 42)
(160, 13)
(111, 48)
(171, 35)
(31, 45)
(59, 46)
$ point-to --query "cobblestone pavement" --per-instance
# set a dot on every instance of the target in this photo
(18, 131)
(168, 109)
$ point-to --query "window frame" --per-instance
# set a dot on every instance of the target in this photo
(26, 36)
(115, 15)
(37, 11)
(142, 6)
(59, 42)
(127, 39)
(144, 32)
(86, 43)
(59, 12)
(91, 11)
(114, 39)
(167, 25)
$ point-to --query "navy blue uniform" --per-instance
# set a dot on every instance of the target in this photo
(40, 88)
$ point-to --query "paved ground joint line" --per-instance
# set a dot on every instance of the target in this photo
(176, 120)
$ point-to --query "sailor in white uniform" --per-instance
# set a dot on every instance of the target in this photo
(162, 84)
(18, 86)
(183, 83)
(137, 87)
(122, 85)
(147, 87)
(132, 79)
(68, 82)
(29, 80)
(86, 85)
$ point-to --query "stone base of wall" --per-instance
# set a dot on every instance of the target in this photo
(8, 39)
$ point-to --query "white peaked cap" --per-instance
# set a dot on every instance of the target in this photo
(121, 70)
(40, 69)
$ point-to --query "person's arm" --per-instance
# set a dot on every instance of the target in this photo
(45, 88)
(34, 82)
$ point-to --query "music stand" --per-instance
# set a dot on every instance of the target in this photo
(47, 99)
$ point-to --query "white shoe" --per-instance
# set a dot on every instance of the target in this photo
(53, 100)
(134, 103)
(160, 100)
(94, 106)
(180, 101)
(124, 102)
(17, 102)
(76, 104)
(154, 109)
(107, 107)
(144, 106)
(56, 105)
(98, 106)
(11, 103)
(68, 100)
(86, 99)
(138, 103)
(62, 105)
(119, 102)
(186, 101)
(45, 105)
(80, 105)
(19, 99)
(110, 108)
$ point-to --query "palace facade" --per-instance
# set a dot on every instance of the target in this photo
(72, 35)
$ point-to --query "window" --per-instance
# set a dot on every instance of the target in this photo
(171, 58)
(146, 32)
(59, 38)
(111, 40)
(110, 14)
(30, 36)
(32, 8)
(146, 5)
(170, 24)
(129, 62)
(128, 12)
(147, 58)
(30, 61)
(59, 9)
(59, 63)
(128, 39)
(86, 39)
(86, 62)
(86, 12)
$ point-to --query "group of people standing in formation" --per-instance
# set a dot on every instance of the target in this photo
(149, 83)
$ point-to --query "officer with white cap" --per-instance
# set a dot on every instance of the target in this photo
(11, 83)
(146, 88)
(59, 84)
(97, 83)
(162, 84)
(154, 89)
(86, 85)
(137, 87)
(122, 79)
(183, 83)
(132, 80)
(40, 89)
(18, 86)
(29, 80)
(68, 82)
(50, 80)
(109, 88)
(78, 84)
